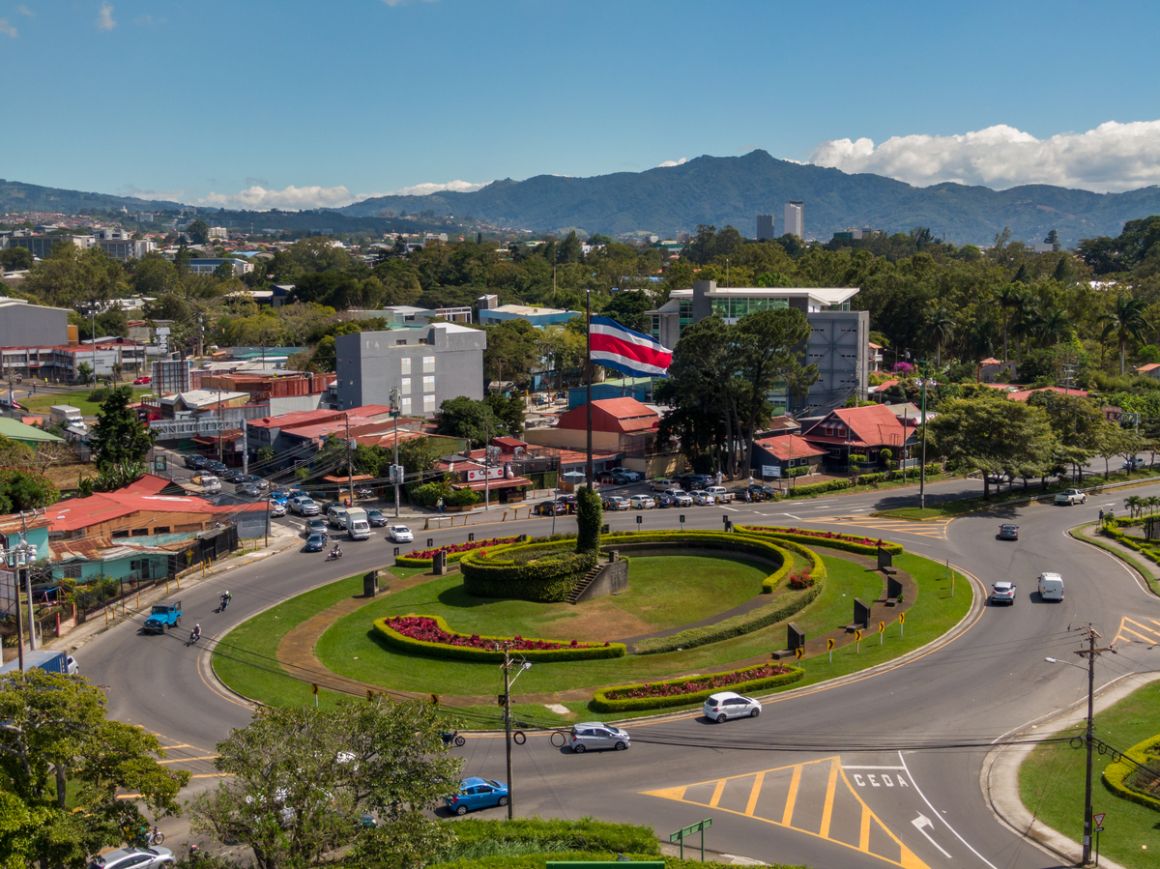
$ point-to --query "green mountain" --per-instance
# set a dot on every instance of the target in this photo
(16, 196)
(733, 190)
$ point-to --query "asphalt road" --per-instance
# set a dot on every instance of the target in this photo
(881, 769)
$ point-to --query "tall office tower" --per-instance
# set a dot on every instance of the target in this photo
(765, 227)
(794, 218)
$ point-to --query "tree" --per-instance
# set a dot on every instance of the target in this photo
(14, 454)
(992, 435)
(301, 780)
(509, 411)
(63, 764)
(198, 231)
(467, 418)
(512, 350)
(119, 441)
(628, 308)
(85, 372)
(1125, 321)
(25, 490)
(419, 455)
(1078, 425)
(589, 515)
(14, 259)
(940, 321)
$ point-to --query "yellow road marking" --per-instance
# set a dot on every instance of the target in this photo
(717, 791)
(211, 775)
(936, 529)
(173, 747)
(1140, 629)
(791, 798)
(184, 759)
(828, 807)
(906, 858)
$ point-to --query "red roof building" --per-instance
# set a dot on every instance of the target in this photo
(861, 430)
(619, 425)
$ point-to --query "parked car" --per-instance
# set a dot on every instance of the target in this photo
(217, 467)
(621, 476)
(547, 508)
(1134, 463)
(665, 500)
(233, 475)
(616, 502)
(143, 380)
(195, 462)
(277, 508)
(697, 481)
(134, 858)
(1002, 593)
(759, 492)
(701, 498)
(400, 534)
(1008, 531)
(680, 497)
(280, 495)
(315, 543)
(248, 490)
(477, 793)
(642, 502)
(376, 518)
(720, 494)
(1071, 497)
(595, 736)
(724, 705)
(660, 484)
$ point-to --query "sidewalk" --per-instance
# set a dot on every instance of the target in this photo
(999, 778)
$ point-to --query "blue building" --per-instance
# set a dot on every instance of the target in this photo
(538, 317)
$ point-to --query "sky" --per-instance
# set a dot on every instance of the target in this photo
(318, 103)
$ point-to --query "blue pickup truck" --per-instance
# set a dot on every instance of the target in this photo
(45, 659)
(163, 617)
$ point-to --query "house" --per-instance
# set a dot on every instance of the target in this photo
(1024, 394)
(492, 472)
(786, 455)
(1152, 369)
(857, 431)
(992, 370)
(538, 317)
(29, 435)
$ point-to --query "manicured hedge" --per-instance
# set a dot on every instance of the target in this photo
(1148, 550)
(1118, 773)
(471, 653)
(832, 539)
(817, 567)
(516, 572)
(601, 702)
(746, 623)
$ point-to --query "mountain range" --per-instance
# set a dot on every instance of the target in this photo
(718, 191)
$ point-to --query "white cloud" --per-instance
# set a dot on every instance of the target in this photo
(432, 187)
(1113, 157)
(394, 3)
(21, 9)
(7, 29)
(668, 164)
(105, 17)
(290, 198)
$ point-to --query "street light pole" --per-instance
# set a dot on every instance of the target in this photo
(922, 457)
(395, 438)
(508, 681)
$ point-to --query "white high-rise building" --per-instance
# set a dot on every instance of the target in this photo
(794, 222)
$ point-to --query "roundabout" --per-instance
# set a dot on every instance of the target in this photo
(695, 603)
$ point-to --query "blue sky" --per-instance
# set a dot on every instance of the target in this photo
(288, 103)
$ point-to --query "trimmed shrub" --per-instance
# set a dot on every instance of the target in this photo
(619, 699)
(483, 838)
(589, 515)
(819, 488)
(746, 623)
(454, 551)
(1119, 774)
(535, 649)
(547, 578)
(859, 543)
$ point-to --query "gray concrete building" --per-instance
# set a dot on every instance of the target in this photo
(765, 227)
(23, 324)
(427, 365)
(838, 341)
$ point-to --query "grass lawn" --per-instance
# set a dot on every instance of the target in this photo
(42, 401)
(1051, 783)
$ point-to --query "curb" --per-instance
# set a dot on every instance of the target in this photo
(999, 776)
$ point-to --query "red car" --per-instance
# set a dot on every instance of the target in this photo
(143, 380)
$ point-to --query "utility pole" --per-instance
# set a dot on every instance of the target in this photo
(922, 457)
(395, 466)
(349, 461)
(509, 680)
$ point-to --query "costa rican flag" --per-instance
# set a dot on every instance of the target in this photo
(634, 353)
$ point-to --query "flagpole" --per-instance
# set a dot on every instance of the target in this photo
(588, 388)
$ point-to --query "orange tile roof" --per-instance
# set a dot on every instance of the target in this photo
(870, 426)
(1024, 394)
(786, 447)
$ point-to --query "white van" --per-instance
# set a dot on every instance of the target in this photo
(336, 516)
(1050, 586)
(357, 525)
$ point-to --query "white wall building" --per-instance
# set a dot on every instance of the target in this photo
(794, 223)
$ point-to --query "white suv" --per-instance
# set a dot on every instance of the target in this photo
(724, 705)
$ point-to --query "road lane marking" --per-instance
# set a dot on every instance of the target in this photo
(1145, 630)
(727, 794)
(934, 529)
(869, 766)
(184, 759)
(936, 813)
(920, 823)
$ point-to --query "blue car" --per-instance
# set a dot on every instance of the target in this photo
(477, 793)
(315, 543)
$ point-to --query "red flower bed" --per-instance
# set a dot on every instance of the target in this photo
(833, 535)
(699, 683)
(427, 630)
(451, 548)
(801, 580)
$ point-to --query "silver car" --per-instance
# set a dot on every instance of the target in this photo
(596, 736)
(724, 705)
(133, 858)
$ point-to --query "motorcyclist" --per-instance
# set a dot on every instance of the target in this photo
(336, 552)
(195, 634)
(226, 598)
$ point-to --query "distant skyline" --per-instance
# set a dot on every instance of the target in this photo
(295, 104)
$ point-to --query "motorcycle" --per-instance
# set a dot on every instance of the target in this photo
(365, 492)
(334, 555)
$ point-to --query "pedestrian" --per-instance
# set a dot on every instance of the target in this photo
(1101, 515)
(439, 505)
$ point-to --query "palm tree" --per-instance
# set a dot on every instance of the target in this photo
(1133, 503)
(940, 319)
(1052, 325)
(1012, 296)
(1126, 321)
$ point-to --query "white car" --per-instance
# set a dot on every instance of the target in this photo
(1071, 497)
(642, 502)
(277, 508)
(702, 498)
(400, 534)
(724, 705)
(134, 858)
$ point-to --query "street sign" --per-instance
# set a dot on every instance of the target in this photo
(830, 644)
(1098, 821)
(902, 618)
(799, 653)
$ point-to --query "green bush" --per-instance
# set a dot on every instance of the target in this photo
(873, 478)
(589, 515)
(461, 498)
(478, 838)
(601, 702)
(796, 471)
(507, 575)
(1118, 774)
(428, 494)
(472, 653)
(819, 488)
(746, 623)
